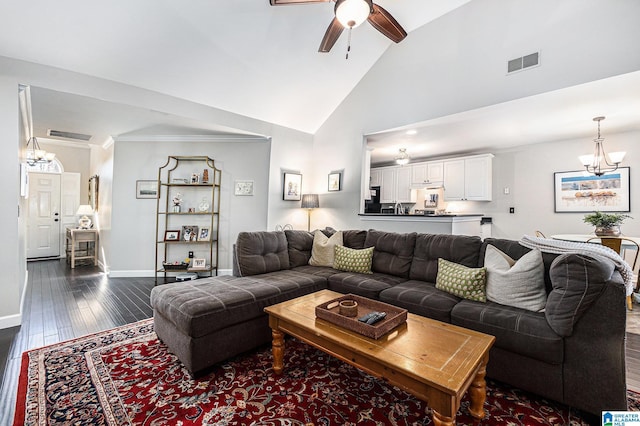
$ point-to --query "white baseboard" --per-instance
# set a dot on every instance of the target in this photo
(131, 274)
(10, 321)
(150, 273)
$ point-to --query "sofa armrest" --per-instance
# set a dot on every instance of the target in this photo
(577, 281)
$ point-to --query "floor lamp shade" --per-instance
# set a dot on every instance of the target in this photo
(310, 201)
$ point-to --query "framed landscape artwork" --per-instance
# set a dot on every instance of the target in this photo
(584, 192)
(146, 189)
(292, 187)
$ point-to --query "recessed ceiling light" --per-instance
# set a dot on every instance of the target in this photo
(412, 132)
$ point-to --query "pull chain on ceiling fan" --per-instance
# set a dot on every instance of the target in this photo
(350, 14)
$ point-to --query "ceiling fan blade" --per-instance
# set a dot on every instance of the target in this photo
(281, 2)
(331, 35)
(386, 24)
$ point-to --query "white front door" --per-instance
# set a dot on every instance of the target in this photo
(43, 223)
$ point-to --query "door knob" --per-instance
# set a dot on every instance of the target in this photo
(55, 214)
(55, 220)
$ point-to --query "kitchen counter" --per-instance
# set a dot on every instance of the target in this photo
(452, 223)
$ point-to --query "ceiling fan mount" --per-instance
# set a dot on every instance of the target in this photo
(350, 14)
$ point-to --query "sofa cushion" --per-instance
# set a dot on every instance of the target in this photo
(354, 238)
(299, 244)
(462, 281)
(578, 280)
(321, 271)
(516, 330)
(421, 298)
(515, 250)
(393, 252)
(203, 306)
(261, 252)
(460, 249)
(366, 285)
(352, 260)
(515, 283)
(323, 250)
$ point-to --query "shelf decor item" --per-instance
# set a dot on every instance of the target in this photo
(607, 224)
(181, 229)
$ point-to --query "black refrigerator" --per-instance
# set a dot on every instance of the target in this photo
(373, 205)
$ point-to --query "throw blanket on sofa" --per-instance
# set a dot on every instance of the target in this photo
(559, 247)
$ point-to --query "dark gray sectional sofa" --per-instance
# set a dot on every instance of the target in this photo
(573, 352)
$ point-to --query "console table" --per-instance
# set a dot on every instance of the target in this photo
(88, 238)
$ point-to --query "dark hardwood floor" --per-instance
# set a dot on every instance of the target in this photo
(61, 304)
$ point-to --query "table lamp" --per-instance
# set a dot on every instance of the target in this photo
(309, 202)
(85, 211)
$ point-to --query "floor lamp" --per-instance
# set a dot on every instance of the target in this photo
(310, 202)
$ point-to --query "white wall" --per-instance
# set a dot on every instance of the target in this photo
(132, 236)
(13, 258)
(458, 63)
(101, 164)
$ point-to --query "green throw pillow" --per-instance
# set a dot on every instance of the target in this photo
(352, 260)
(462, 281)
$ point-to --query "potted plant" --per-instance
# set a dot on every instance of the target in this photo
(607, 224)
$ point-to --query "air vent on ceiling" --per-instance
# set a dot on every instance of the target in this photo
(69, 135)
(523, 62)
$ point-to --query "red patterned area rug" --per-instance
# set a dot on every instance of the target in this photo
(126, 376)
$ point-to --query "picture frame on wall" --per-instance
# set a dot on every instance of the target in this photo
(243, 187)
(335, 182)
(292, 187)
(147, 189)
(583, 192)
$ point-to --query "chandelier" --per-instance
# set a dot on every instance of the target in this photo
(37, 155)
(403, 157)
(597, 163)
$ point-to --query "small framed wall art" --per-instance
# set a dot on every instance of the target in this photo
(335, 181)
(292, 187)
(146, 189)
(243, 187)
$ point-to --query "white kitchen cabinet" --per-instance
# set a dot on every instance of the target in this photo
(395, 184)
(375, 178)
(403, 185)
(468, 178)
(427, 173)
(387, 184)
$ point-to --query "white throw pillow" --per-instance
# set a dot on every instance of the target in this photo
(516, 283)
(323, 250)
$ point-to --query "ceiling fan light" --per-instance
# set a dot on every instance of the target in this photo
(351, 13)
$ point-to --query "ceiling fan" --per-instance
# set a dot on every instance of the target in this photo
(350, 14)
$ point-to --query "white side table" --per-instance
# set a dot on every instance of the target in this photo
(74, 239)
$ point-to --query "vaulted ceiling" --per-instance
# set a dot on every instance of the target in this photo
(243, 56)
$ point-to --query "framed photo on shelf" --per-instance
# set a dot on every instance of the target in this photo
(146, 189)
(292, 187)
(243, 187)
(204, 234)
(199, 263)
(583, 192)
(195, 178)
(334, 181)
(190, 233)
(171, 235)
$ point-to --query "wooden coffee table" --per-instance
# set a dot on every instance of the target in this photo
(435, 361)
